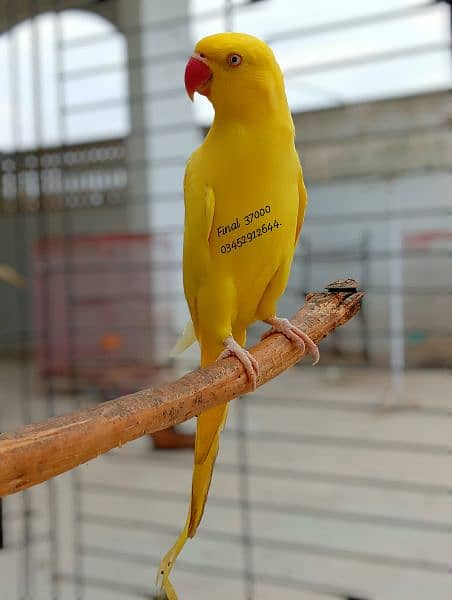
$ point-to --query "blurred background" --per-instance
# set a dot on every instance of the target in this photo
(333, 482)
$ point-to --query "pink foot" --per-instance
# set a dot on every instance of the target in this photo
(294, 334)
(250, 364)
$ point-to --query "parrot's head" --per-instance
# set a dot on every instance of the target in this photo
(236, 72)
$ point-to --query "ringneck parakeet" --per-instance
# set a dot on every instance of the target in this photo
(245, 201)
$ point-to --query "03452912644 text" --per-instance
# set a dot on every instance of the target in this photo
(250, 236)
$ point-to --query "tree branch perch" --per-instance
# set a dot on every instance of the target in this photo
(38, 452)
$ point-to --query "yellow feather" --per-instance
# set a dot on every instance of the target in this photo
(11, 276)
(244, 206)
(187, 338)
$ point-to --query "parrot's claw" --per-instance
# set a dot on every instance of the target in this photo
(294, 334)
(250, 364)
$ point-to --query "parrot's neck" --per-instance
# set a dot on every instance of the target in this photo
(265, 114)
(257, 125)
(260, 103)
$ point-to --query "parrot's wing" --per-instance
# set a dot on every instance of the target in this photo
(302, 202)
(209, 212)
(199, 202)
(199, 215)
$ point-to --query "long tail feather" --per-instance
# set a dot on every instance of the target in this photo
(209, 427)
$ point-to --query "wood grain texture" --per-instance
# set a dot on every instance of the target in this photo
(38, 452)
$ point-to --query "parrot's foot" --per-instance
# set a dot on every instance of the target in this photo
(250, 364)
(294, 334)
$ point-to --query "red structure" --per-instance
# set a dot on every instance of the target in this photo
(100, 304)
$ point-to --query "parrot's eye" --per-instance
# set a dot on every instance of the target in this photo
(234, 60)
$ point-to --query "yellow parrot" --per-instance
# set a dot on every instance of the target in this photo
(245, 201)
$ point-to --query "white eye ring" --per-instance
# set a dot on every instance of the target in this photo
(234, 60)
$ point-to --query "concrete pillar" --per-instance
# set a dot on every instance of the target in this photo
(163, 131)
(129, 21)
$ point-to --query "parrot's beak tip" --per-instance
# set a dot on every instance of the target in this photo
(197, 76)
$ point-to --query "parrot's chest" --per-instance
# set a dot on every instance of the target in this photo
(256, 206)
(252, 214)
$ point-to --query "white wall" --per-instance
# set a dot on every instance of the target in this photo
(365, 166)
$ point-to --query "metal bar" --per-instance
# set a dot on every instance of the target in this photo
(266, 542)
(286, 34)
(68, 291)
(46, 305)
(351, 23)
(366, 59)
(258, 506)
(320, 67)
(380, 483)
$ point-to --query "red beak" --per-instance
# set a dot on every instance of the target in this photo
(197, 76)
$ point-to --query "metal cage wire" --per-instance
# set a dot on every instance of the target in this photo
(99, 529)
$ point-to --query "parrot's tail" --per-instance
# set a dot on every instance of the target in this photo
(209, 427)
(187, 338)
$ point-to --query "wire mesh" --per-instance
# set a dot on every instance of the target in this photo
(330, 484)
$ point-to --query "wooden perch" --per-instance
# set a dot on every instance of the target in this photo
(36, 453)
